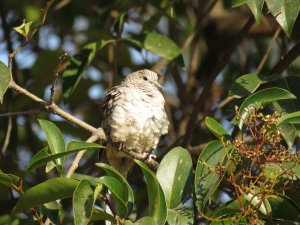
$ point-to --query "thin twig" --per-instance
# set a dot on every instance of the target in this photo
(28, 112)
(7, 136)
(53, 108)
(265, 57)
(78, 157)
(286, 60)
(27, 39)
(55, 77)
(219, 66)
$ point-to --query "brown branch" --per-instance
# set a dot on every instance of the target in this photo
(78, 157)
(53, 108)
(286, 60)
(7, 136)
(265, 57)
(28, 112)
(55, 76)
(220, 64)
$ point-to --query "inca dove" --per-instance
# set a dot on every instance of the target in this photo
(133, 116)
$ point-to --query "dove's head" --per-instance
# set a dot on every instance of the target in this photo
(143, 77)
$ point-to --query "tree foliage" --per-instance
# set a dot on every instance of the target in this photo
(230, 74)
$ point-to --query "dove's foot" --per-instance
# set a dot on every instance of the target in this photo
(148, 155)
(121, 146)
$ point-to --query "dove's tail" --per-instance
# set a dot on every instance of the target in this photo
(119, 160)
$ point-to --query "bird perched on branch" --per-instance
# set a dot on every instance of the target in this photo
(133, 117)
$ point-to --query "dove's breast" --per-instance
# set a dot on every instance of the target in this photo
(137, 118)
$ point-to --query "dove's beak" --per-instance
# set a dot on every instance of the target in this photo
(158, 86)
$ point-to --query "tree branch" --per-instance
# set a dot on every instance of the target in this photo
(53, 108)
(286, 60)
(220, 64)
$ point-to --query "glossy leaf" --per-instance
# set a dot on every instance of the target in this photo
(237, 3)
(266, 96)
(51, 210)
(289, 170)
(232, 207)
(256, 7)
(245, 85)
(285, 12)
(5, 80)
(48, 191)
(8, 179)
(254, 197)
(206, 181)
(288, 132)
(157, 203)
(83, 203)
(54, 137)
(181, 216)
(262, 98)
(93, 180)
(80, 145)
(216, 128)
(129, 196)
(174, 176)
(293, 118)
(284, 208)
(99, 214)
(43, 156)
(147, 220)
(72, 75)
(158, 44)
(118, 194)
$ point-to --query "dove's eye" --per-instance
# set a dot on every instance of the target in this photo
(145, 78)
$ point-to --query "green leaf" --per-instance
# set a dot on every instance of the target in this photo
(93, 180)
(293, 118)
(216, 128)
(117, 192)
(147, 220)
(254, 197)
(206, 181)
(72, 75)
(181, 216)
(55, 139)
(229, 208)
(256, 7)
(129, 196)
(262, 98)
(285, 12)
(5, 78)
(43, 156)
(49, 166)
(288, 132)
(99, 214)
(48, 191)
(245, 85)
(8, 179)
(289, 170)
(237, 3)
(157, 203)
(266, 96)
(284, 208)
(158, 44)
(80, 145)
(24, 28)
(5, 179)
(51, 210)
(83, 203)
(174, 176)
